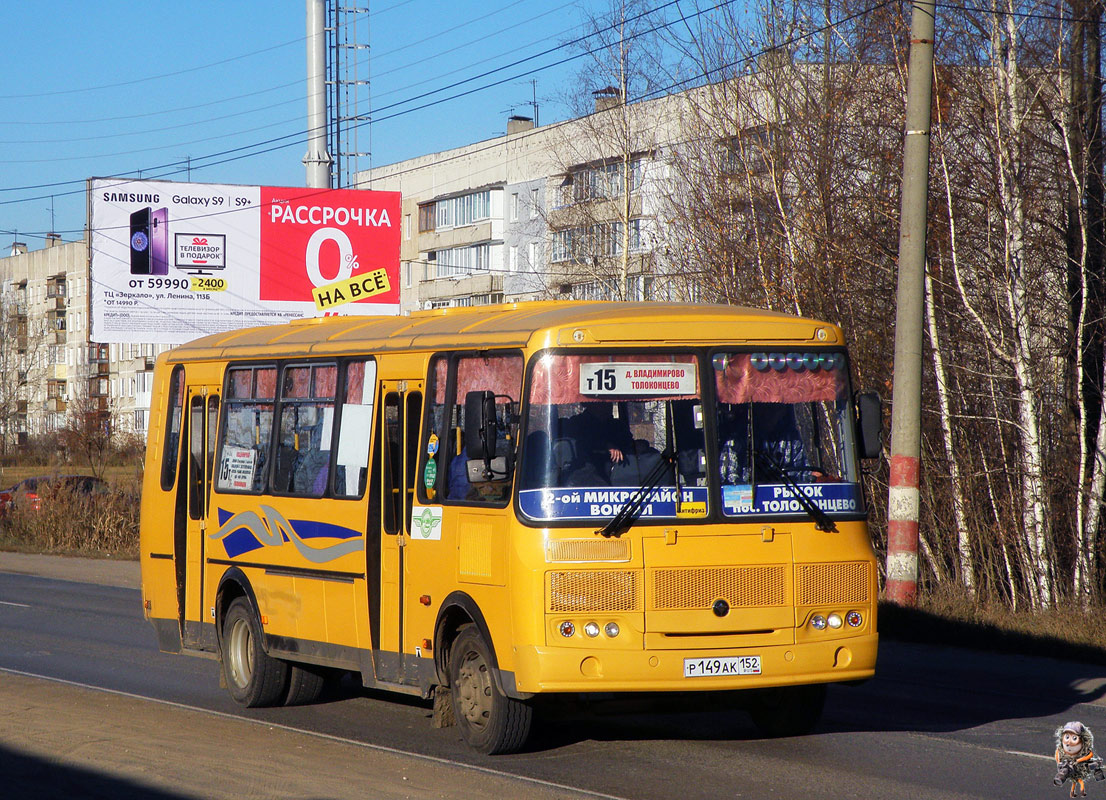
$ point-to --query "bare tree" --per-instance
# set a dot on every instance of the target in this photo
(604, 162)
(91, 429)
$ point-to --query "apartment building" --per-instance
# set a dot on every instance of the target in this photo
(563, 210)
(49, 368)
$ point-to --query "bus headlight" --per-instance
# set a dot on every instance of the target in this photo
(611, 629)
(818, 622)
(834, 620)
(567, 629)
(591, 629)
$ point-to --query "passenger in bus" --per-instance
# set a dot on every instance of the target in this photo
(776, 436)
(458, 486)
(733, 444)
(312, 463)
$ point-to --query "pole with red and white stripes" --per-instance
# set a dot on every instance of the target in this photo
(903, 506)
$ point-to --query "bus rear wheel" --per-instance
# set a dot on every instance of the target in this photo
(490, 722)
(254, 678)
(788, 710)
(305, 684)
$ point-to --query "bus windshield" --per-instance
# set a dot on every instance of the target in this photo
(784, 425)
(597, 428)
(600, 426)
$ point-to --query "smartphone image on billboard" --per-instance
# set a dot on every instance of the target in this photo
(140, 241)
(159, 241)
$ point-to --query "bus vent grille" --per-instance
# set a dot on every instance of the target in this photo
(593, 590)
(741, 587)
(831, 584)
(589, 550)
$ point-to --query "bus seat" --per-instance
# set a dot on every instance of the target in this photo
(285, 469)
(537, 457)
(564, 452)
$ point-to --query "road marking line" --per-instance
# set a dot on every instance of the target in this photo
(17, 605)
(329, 737)
(1030, 755)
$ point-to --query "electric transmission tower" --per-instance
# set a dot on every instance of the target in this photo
(349, 110)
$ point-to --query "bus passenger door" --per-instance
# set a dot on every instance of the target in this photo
(203, 413)
(401, 413)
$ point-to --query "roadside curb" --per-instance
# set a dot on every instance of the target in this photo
(102, 571)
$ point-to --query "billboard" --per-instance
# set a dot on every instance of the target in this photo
(174, 261)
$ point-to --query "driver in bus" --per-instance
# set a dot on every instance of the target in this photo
(601, 439)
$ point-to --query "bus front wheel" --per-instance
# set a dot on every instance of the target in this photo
(253, 677)
(490, 722)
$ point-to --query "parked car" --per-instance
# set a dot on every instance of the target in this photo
(28, 492)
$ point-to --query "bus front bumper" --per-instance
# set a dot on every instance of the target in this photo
(540, 669)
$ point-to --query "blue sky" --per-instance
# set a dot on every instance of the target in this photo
(109, 88)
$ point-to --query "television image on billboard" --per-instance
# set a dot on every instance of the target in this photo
(200, 252)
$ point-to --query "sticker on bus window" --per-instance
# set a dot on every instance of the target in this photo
(833, 498)
(236, 468)
(603, 502)
(651, 379)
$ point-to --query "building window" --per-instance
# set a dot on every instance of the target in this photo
(408, 273)
(407, 227)
(514, 207)
(533, 256)
(512, 264)
(600, 181)
(460, 261)
(533, 203)
(602, 239)
(426, 218)
(467, 209)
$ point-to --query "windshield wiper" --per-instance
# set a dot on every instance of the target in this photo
(632, 508)
(821, 520)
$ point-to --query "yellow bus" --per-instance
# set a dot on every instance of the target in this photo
(498, 505)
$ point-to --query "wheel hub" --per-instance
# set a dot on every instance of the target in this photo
(474, 690)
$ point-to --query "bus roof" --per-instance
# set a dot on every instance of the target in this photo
(534, 324)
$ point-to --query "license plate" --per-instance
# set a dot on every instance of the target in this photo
(729, 665)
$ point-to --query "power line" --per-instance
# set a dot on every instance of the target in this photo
(397, 104)
(271, 145)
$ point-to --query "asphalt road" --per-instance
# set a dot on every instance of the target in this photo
(935, 723)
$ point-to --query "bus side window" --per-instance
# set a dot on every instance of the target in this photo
(392, 484)
(196, 458)
(452, 377)
(174, 420)
(306, 426)
(355, 419)
(243, 452)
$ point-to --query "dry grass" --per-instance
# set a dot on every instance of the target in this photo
(98, 525)
(949, 616)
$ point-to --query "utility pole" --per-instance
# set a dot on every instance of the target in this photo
(906, 413)
(317, 159)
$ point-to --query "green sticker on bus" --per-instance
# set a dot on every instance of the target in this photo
(430, 474)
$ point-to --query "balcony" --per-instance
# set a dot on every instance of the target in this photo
(56, 405)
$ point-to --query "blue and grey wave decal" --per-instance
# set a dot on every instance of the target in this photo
(247, 530)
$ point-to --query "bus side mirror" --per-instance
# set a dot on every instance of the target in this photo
(869, 424)
(480, 425)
